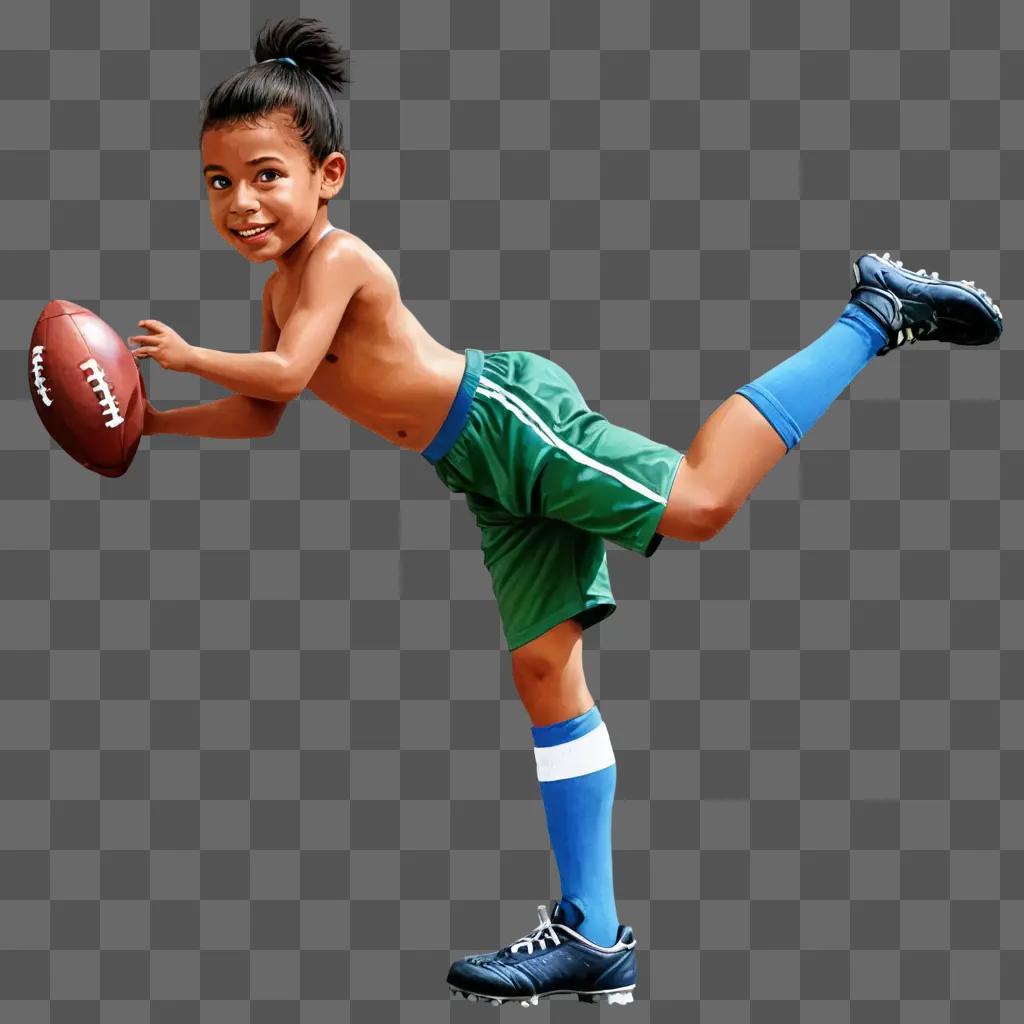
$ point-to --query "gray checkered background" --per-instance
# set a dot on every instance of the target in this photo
(261, 756)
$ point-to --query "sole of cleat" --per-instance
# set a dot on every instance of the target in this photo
(621, 997)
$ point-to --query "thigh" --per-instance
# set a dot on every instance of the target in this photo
(571, 464)
(542, 571)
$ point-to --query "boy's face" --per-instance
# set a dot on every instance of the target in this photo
(281, 191)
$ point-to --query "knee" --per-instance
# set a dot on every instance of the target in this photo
(715, 519)
(694, 523)
(693, 513)
(530, 664)
(551, 654)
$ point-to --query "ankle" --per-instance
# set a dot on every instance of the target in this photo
(882, 305)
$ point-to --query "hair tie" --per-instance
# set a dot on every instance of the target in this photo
(288, 60)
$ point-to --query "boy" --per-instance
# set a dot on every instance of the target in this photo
(547, 479)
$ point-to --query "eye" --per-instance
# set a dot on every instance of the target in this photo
(220, 177)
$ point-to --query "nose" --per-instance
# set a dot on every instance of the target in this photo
(242, 201)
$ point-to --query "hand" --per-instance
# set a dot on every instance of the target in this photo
(169, 349)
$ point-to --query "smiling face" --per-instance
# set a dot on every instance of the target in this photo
(261, 175)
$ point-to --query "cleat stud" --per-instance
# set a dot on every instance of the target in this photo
(495, 1002)
(924, 271)
(885, 256)
(471, 997)
(899, 263)
(935, 275)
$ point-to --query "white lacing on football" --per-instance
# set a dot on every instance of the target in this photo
(107, 402)
(38, 377)
(540, 935)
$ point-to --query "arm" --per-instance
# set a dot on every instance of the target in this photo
(332, 275)
(234, 416)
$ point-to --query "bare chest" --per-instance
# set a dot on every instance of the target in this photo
(382, 369)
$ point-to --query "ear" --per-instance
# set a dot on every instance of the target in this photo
(333, 174)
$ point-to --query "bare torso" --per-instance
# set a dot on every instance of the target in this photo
(383, 370)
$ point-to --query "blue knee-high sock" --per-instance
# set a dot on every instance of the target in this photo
(576, 771)
(793, 395)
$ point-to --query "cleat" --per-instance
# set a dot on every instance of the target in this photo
(553, 959)
(919, 305)
(612, 998)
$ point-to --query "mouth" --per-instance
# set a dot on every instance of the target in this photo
(257, 236)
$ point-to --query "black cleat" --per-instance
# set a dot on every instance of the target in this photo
(552, 960)
(922, 305)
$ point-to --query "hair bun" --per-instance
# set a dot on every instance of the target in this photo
(262, 88)
(308, 43)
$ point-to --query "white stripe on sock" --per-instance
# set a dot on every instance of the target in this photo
(581, 756)
(523, 412)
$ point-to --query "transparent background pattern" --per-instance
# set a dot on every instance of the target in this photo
(261, 756)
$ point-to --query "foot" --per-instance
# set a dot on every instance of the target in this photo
(552, 959)
(922, 305)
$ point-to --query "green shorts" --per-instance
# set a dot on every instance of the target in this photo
(548, 480)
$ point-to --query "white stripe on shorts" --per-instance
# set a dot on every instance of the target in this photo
(588, 753)
(523, 412)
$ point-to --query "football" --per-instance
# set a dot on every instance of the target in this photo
(86, 387)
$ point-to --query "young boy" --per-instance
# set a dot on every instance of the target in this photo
(547, 479)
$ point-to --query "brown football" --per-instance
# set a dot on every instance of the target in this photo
(86, 387)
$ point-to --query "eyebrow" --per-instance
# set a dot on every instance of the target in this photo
(249, 163)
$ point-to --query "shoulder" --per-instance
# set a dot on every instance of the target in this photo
(341, 252)
(336, 252)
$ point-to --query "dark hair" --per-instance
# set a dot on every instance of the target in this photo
(248, 95)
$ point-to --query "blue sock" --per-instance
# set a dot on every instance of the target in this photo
(793, 395)
(576, 770)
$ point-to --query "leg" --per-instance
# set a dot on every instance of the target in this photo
(548, 673)
(577, 774)
(731, 454)
(750, 432)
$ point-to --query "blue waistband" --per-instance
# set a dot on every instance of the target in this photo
(459, 412)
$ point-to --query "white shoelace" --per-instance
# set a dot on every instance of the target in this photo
(539, 935)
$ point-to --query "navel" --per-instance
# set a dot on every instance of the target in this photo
(331, 357)
(401, 433)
